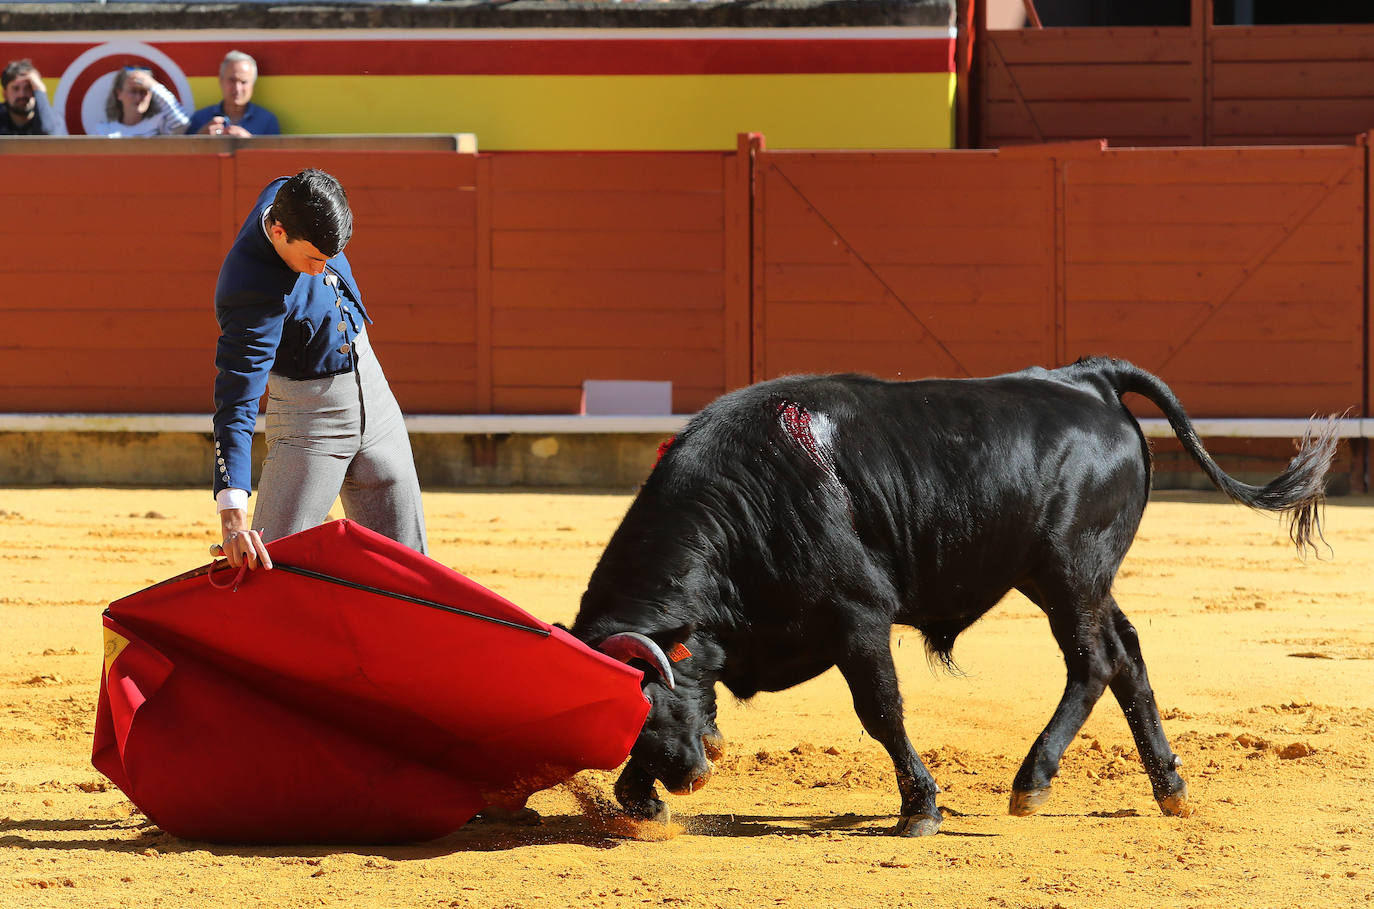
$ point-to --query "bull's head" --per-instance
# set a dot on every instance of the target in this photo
(679, 739)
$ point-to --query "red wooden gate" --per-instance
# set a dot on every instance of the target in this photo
(902, 263)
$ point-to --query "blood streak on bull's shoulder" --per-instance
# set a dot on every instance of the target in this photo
(813, 432)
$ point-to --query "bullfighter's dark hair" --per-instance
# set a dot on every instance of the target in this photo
(312, 206)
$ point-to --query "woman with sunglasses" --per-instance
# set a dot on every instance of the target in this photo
(139, 105)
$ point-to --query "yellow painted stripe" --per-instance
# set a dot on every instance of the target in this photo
(695, 112)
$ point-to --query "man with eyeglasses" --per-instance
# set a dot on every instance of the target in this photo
(26, 111)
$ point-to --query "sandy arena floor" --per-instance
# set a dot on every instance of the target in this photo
(1263, 666)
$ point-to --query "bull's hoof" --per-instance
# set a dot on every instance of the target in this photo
(1025, 802)
(655, 810)
(917, 825)
(1176, 805)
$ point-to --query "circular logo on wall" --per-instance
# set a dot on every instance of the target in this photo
(85, 85)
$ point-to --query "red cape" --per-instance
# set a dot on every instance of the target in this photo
(358, 692)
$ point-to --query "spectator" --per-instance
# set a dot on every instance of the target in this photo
(139, 105)
(25, 111)
(236, 115)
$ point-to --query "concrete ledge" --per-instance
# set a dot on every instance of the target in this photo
(609, 452)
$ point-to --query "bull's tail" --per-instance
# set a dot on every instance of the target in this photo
(1298, 493)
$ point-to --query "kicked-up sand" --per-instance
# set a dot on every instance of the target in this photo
(1263, 666)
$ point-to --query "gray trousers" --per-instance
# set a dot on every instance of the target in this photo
(339, 437)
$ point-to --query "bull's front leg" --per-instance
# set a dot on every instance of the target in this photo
(634, 789)
(872, 679)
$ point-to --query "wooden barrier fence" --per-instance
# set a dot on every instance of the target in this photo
(1200, 84)
(500, 282)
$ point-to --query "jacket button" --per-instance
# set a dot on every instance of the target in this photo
(344, 348)
(341, 326)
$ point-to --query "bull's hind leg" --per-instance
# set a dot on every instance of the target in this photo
(1100, 649)
(872, 679)
(1131, 685)
(1090, 668)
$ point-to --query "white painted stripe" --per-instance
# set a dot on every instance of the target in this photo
(1247, 428)
(495, 424)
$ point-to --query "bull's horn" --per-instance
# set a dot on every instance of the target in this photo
(631, 645)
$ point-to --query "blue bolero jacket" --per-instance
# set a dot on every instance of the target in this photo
(273, 319)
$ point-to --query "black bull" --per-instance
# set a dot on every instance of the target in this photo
(792, 523)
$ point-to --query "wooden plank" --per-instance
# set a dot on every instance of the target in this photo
(419, 362)
(560, 399)
(116, 214)
(618, 329)
(1268, 43)
(437, 208)
(1088, 119)
(1295, 116)
(1218, 166)
(431, 321)
(1144, 283)
(608, 210)
(359, 169)
(1206, 204)
(896, 170)
(1240, 321)
(128, 329)
(620, 249)
(1251, 361)
(72, 290)
(887, 321)
(165, 260)
(555, 365)
(904, 359)
(1315, 78)
(607, 288)
(428, 397)
(450, 247)
(381, 281)
(86, 177)
(651, 171)
(974, 284)
(1279, 400)
(1094, 45)
(1104, 80)
(566, 399)
(42, 367)
(955, 203)
(1211, 243)
(183, 397)
(816, 243)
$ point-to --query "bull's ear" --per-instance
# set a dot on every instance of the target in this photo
(631, 645)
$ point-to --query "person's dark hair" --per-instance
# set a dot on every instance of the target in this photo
(15, 69)
(312, 206)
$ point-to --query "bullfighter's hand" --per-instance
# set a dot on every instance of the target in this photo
(240, 542)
